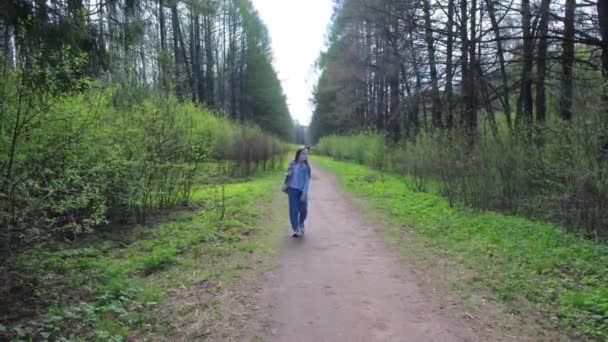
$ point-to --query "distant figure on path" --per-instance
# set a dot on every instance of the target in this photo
(296, 184)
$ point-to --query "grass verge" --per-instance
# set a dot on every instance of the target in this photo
(107, 289)
(518, 260)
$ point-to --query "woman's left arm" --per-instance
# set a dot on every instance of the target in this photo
(305, 187)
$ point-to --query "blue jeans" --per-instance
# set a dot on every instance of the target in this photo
(297, 209)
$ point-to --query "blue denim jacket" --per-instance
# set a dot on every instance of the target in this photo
(298, 176)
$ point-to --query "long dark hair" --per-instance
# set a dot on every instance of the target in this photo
(297, 157)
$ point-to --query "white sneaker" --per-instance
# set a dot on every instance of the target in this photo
(302, 229)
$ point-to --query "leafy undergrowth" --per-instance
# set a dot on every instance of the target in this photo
(103, 290)
(566, 277)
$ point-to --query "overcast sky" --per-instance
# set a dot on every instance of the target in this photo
(297, 29)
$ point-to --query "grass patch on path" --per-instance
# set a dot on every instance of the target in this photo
(105, 290)
(561, 275)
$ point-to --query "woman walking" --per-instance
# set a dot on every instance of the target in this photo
(297, 182)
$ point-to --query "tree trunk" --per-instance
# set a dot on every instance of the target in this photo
(222, 70)
(394, 118)
(501, 61)
(198, 73)
(176, 53)
(142, 55)
(468, 119)
(41, 15)
(567, 61)
(194, 56)
(242, 73)
(380, 88)
(541, 62)
(487, 101)
(436, 101)
(163, 44)
(525, 105)
(232, 60)
(602, 12)
(182, 72)
(464, 61)
(413, 104)
(210, 63)
(449, 90)
(471, 105)
(394, 124)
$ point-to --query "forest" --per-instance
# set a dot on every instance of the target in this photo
(503, 103)
(458, 172)
(111, 114)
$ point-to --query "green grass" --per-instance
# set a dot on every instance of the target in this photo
(563, 276)
(104, 290)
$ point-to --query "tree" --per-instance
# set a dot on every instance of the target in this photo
(541, 62)
(430, 43)
(567, 62)
(401, 58)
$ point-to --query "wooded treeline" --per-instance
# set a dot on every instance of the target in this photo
(215, 52)
(504, 101)
(301, 134)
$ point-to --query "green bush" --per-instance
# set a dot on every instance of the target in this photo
(158, 259)
(564, 179)
(363, 148)
(114, 154)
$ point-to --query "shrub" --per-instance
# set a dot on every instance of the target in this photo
(113, 154)
(564, 179)
(158, 259)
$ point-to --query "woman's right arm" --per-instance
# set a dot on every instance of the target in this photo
(288, 175)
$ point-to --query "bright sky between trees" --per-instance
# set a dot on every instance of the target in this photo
(297, 29)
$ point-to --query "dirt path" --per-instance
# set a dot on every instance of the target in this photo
(341, 283)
